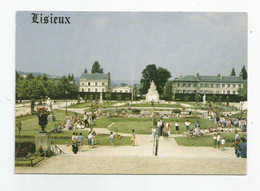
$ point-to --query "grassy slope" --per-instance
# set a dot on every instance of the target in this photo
(207, 141)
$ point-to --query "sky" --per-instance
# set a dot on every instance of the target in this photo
(125, 42)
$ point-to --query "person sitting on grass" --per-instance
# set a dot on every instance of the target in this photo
(111, 136)
(71, 127)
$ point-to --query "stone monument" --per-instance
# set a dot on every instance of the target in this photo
(42, 139)
(152, 94)
(101, 100)
(51, 117)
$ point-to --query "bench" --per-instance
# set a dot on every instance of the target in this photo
(26, 159)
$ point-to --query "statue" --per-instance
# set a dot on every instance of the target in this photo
(152, 94)
(49, 104)
(204, 98)
(101, 100)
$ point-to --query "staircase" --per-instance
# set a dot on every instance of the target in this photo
(55, 149)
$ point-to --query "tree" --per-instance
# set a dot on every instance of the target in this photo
(123, 84)
(227, 100)
(243, 73)
(197, 98)
(85, 71)
(96, 68)
(168, 91)
(220, 99)
(85, 98)
(151, 73)
(242, 92)
(233, 73)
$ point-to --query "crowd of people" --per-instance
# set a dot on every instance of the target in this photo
(79, 122)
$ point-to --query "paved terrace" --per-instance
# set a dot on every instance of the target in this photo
(172, 159)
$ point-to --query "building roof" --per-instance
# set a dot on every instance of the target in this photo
(94, 76)
(219, 78)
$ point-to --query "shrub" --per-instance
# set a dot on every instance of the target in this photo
(136, 111)
(176, 111)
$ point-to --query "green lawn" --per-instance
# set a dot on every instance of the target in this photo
(30, 123)
(143, 125)
(207, 140)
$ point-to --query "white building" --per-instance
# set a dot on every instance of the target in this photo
(124, 89)
(192, 84)
(94, 82)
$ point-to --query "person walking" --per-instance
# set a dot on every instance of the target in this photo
(215, 140)
(242, 148)
(187, 125)
(218, 140)
(177, 127)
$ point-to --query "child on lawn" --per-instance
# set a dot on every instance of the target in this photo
(111, 136)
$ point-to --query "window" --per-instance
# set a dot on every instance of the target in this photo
(178, 85)
(88, 83)
(206, 85)
(103, 83)
(228, 92)
(239, 85)
(82, 83)
(188, 84)
(234, 92)
(126, 91)
(121, 91)
(194, 85)
(228, 85)
(88, 89)
(96, 90)
(184, 85)
(217, 92)
(82, 89)
(212, 85)
(115, 91)
(217, 85)
(223, 86)
(96, 83)
(234, 85)
(103, 90)
(224, 92)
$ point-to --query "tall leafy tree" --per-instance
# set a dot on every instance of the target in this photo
(243, 73)
(242, 92)
(158, 75)
(85, 71)
(168, 91)
(96, 68)
(233, 73)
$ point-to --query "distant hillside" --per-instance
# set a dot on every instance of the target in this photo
(113, 82)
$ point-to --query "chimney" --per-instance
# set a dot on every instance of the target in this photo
(220, 76)
(198, 76)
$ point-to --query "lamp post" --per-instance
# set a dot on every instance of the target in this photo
(66, 92)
